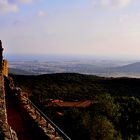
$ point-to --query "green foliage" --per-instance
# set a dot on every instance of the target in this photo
(103, 129)
(130, 117)
(105, 105)
(114, 114)
(78, 123)
(60, 86)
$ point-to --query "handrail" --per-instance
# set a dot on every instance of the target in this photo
(57, 129)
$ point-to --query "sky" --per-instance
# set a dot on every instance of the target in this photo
(71, 27)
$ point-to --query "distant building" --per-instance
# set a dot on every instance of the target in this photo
(77, 104)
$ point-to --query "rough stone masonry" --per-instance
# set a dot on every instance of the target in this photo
(6, 133)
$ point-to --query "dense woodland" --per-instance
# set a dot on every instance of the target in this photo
(114, 114)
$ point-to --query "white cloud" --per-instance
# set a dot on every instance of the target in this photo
(41, 13)
(112, 3)
(120, 3)
(6, 6)
(25, 1)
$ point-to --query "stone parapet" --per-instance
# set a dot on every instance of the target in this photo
(37, 118)
(6, 133)
(5, 68)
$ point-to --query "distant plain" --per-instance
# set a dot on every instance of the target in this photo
(91, 66)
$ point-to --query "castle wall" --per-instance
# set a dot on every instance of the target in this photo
(6, 133)
(5, 68)
(47, 130)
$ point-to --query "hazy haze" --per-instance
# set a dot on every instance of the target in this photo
(74, 27)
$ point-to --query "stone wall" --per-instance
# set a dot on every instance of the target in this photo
(34, 116)
(47, 132)
(5, 68)
(6, 133)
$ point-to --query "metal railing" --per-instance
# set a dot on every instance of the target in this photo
(48, 121)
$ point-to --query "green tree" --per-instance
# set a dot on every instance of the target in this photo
(103, 129)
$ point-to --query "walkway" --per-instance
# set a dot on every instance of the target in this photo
(17, 123)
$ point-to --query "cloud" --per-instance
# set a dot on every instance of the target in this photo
(120, 3)
(112, 3)
(25, 1)
(41, 13)
(6, 6)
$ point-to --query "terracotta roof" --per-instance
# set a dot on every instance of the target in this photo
(84, 103)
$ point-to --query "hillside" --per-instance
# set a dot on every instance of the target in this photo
(77, 86)
(106, 69)
(134, 67)
(20, 72)
(113, 114)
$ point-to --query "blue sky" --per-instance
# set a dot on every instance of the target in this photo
(71, 27)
